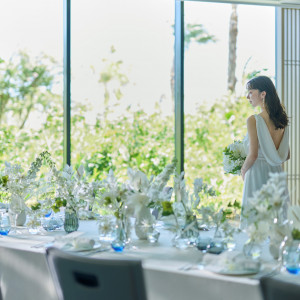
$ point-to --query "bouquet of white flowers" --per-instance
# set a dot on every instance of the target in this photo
(234, 156)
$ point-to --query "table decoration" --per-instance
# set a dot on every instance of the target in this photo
(17, 186)
(234, 156)
(186, 208)
(72, 192)
(223, 237)
(113, 195)
(145, 194)
(4, 223)
(34, 218)
(289, 256)
(106, 227)
(266, 215)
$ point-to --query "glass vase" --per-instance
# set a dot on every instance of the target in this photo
(71, 222)
(252, 249)
(291, 256)
(143, 223)
(4, 223)
(33, 223)
(119, 242)
(106, 228)
(191, 229)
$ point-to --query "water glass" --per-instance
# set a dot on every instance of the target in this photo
(291, 257)
(4, 223)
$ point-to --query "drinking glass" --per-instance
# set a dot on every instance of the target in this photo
(15, 210)
(291, 257)
(4, 223)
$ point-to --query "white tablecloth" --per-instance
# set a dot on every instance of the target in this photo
(24, 272)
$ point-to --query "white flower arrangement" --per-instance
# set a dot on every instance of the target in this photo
(268, 205)
(234, 156)
(72, 189)
(113, 195)
(144, 192)
(33, 204)
(20, 188)
(16, 185)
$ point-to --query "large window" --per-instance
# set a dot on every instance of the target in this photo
(122, 71)
(30, 80)
(214, 115)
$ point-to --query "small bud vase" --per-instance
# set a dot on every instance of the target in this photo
(71, 223)
(143, 222)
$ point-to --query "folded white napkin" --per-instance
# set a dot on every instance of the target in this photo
(74, 242)
(229, 261)
(83, 243)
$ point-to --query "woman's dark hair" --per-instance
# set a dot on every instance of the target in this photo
(273, 105)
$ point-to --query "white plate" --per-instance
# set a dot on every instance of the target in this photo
(237, 272)
(233, 271)
(72, 249)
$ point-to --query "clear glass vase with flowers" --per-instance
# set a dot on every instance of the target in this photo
(72, 192)
(145, 196)
(33, 223)
(112, 196)
(266, 213)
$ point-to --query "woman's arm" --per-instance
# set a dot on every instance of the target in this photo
(253, 149)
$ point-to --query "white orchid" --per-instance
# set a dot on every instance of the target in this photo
(72, 189)
(258, 231)
(143, 192)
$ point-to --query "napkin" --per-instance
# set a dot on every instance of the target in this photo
(83, 243)
(74, 242)
(230, 261)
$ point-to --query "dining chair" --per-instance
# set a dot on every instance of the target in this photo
(277, 289)
(78, 277)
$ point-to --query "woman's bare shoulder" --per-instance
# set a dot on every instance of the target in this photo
(251, 121)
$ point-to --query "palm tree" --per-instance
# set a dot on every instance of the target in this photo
(233, 32)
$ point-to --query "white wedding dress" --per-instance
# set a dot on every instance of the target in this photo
(269, 160)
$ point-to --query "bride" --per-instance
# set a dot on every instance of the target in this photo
(267, 139)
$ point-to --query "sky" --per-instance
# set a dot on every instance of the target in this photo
(141, 33)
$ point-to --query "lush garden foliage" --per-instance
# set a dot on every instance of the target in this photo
(136, 139)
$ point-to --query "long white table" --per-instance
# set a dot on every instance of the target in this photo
(24, 272)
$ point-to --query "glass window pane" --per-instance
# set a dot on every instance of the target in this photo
(122, 107)
(214, 116)
(30, 80)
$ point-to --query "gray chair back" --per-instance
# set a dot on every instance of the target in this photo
(79, 277)
(276, 289)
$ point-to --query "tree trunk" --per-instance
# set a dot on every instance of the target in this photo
(233, 32)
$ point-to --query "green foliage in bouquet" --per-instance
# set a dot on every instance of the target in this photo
(296, 234)
(58, 203)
